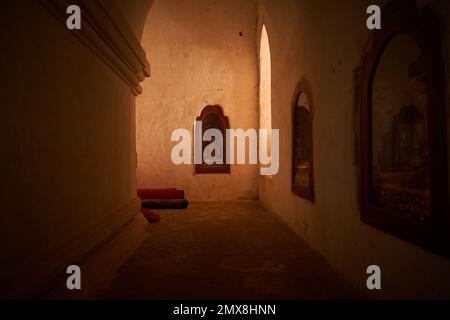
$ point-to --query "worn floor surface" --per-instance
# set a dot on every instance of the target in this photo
(224, 251)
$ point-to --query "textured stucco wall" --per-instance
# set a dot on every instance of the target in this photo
(323, 41)
(68, 147)
(198, 58)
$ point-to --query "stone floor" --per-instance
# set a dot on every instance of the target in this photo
(224, 251)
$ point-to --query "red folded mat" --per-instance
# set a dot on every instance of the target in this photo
(150, 216)
(151, 194)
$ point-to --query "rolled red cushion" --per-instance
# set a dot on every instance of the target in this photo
(150, 216)
(179, 194)
(171, 193)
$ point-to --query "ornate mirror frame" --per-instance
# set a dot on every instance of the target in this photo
(223, 124)
(404, 17)
(302, 191)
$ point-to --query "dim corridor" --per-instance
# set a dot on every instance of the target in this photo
(224, 250)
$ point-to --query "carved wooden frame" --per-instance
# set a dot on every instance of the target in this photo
(404, 17)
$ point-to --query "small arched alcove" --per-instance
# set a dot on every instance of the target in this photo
(302, 180)
(212, 119)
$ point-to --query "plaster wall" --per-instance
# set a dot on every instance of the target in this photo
(136, 12)
(202, 52)
(68, 144)
(323, 41)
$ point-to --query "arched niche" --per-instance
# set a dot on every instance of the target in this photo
(302, 176)
(403, 166)
(212, 117)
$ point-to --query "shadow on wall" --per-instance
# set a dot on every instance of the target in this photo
(69, 167)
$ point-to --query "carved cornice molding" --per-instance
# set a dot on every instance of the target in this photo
(107, 33)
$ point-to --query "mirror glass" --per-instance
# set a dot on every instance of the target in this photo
(302, 143)
(400, 155)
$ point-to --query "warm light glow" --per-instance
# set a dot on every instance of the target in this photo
(265, 94)
(265, 85)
